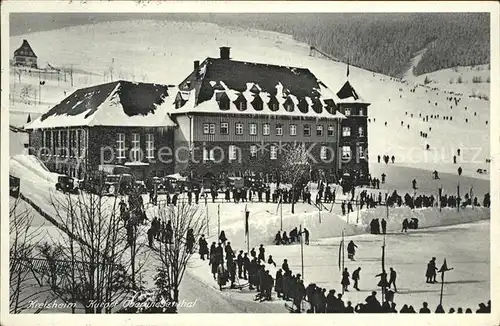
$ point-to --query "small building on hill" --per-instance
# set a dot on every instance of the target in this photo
(118, 123)
(25, 56)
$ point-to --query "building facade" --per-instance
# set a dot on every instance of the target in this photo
(25, 56)
(226, 118)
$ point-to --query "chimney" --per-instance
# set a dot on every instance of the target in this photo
(196, 65)
(224, 52)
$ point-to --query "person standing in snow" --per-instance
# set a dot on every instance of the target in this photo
(414, 184)
(392, 279)
(459, 170)
(306, 236)
(351, 250)
(345, 280)
(383, 223)
(262, 252)
(271, 261)
(356, 278)
(342, 206)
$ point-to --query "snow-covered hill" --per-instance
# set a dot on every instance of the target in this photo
(163, 52)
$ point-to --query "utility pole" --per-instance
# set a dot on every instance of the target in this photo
(443, 269)
(218, 219)
(208, 218)
(383, 279)
(458, 196)
(301, 251)
(281, 213)
(342, 254)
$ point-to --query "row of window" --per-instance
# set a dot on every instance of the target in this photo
(209, 155)
(209, 129)
(55, 140)
(347, 111)
(136, 146)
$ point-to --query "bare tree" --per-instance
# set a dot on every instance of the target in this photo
(173, 254)
(295, 165)
(103, 265)
(24, 239)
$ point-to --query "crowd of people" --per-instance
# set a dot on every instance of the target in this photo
(292, 237)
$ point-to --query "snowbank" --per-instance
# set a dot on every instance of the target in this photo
(31, 168)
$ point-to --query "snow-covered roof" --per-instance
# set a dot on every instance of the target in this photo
(253, 81)
(119, 103)
(347, 94)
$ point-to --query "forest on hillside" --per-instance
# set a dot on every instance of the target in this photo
(381, 42)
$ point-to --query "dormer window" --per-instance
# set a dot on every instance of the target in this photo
(273, 104)
(257, 103)
(222, 100)
(289, 106)
(317, 106)
(303, 106)
(347, 112)
(242, 105)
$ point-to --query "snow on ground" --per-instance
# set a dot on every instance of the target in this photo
(391, 99)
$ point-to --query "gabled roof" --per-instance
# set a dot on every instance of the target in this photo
(25, 50)
(119, 103)
(347, 94)
(232, 78)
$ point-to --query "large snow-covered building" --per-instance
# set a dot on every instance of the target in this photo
(118, 123)
(239, 115)
(25, 56)
(226, 117)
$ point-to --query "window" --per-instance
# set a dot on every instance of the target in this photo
(331, 131)
(253, 129)
(224, 128)
(289, 107)
(346, 152)
(120, 147)
(150, 146)
(293, 130)
(323, 153)
(266, 130)
(136, 147)
(346, 131)
(361, 112)
(253, 150)
(361, 132)
(212, 154)
(178, 104)
(319, 130)
(274, 152)
(307, 130)
(205, 154)
(232, 152)
(239, 128)
(347, 111)
(274, 106)
(361, 152)
(242, 106)
(279, 129)
(209, 128)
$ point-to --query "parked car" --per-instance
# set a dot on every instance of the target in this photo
(67, 184)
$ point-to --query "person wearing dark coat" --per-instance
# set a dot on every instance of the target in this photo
(246, 265)
(277, 238)
(351, 250)
(253, 254)
(284, 266)
(239, 262)
(190, 240)
(203, 247)
(431, 271)
(261, 253)
(222, 236)
(349, 309)
(405, 225)
(150, 237)
(306, 236)
(424, 309)
(345, 280)
(349, 207)
(392, 279)
(330, 301)
(229, 251)
(214, 263)
(356, 278)
(279, 283)
(383, 223)
(383, 279)
(227, 195)
(271, 261)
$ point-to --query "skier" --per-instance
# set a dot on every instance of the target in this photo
(351, 250)
(383, 223)
(454, 159)
(345, 280)
(459, 170)
(383, 177)
(378, 158)
(356, 278)
(392, 279)
(392, 159)
(414, 184)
